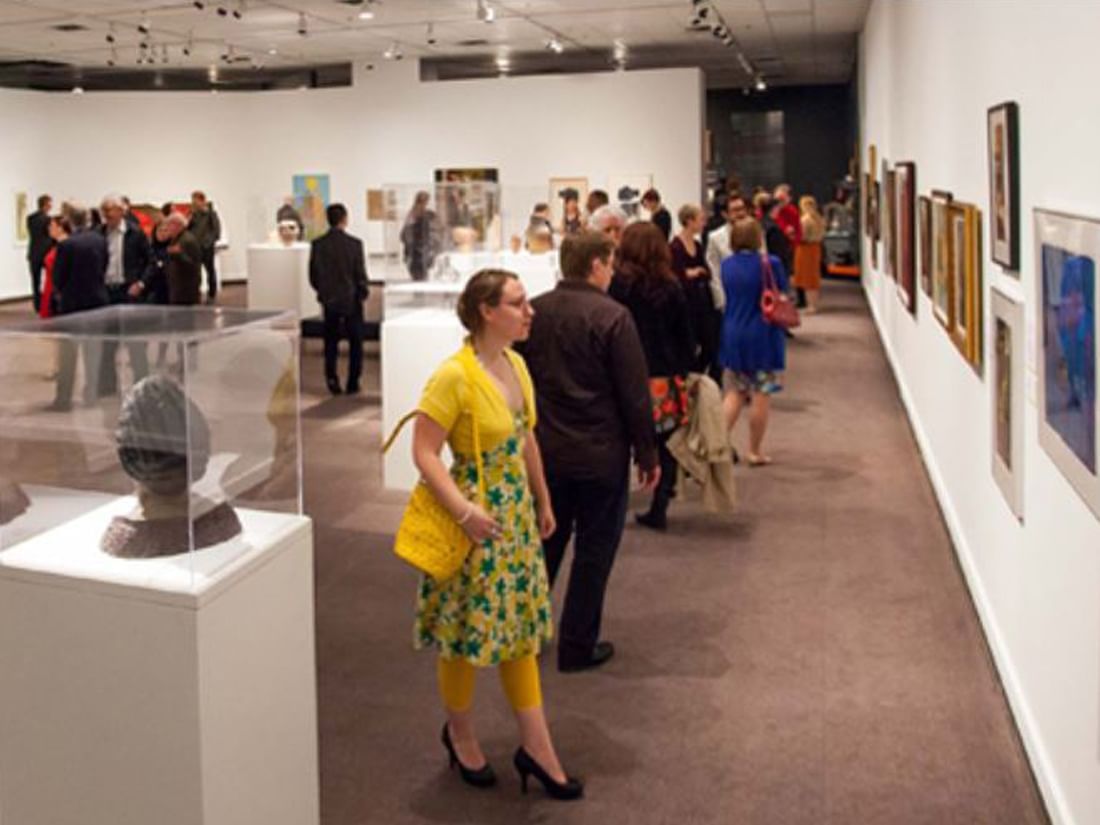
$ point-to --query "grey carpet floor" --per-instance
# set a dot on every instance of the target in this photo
(814, 658)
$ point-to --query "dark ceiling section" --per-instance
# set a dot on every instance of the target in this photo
(47, 76)
(575, 61)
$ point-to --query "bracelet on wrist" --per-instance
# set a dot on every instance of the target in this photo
(466, 516)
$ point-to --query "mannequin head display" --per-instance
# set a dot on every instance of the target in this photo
(163, 443)
(288, 232)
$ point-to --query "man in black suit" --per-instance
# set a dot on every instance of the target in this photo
(338, 273)
(78, 279)
(38, 244)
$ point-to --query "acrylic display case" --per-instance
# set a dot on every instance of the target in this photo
(156, 572)
(147, 446)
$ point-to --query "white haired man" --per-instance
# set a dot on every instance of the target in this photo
(185, 259)
(610, 220)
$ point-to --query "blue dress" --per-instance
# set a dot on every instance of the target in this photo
(749, 343)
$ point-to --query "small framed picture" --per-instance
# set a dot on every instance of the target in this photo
(1004, 185)
(1007, 389)
(965, 281)
(905, 184)
(888, 219)
(924, 218)
(941, 254)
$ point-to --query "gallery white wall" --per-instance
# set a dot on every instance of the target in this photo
(388, 127)
(929, 69)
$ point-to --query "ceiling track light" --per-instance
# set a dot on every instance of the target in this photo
(238, 10)
(110, 36)
(761, 85)
(485, 12)
(430, 35)
(555, 45)
(113, 58)
(367, 12)
(143, 25)
(393, 52)
(303, 24)
(199, 4)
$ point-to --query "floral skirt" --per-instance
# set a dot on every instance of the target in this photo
(497, 607)
(765, 382)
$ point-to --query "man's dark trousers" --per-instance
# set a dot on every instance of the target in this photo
(338, 324)
(596, 512)
(208, 259)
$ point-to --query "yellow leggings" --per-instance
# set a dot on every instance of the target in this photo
(520, 679)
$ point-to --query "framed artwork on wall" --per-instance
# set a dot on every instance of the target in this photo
(875, 218)
(22, 210)
(924, 219)
(1007, 406)
(626, 190)
(866, 205)
(311, 198)
(905, 184)
(1067, 248)
(1004, 185)
(941, 253)
(888, 220)
(964, 280)
(556, 197)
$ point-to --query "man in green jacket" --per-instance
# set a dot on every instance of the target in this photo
(207, 229)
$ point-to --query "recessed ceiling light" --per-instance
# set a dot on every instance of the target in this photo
(272, 50)
(366, 14)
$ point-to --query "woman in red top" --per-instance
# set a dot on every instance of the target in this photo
(59, 231)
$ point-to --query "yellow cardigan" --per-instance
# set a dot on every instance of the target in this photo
(446, 400)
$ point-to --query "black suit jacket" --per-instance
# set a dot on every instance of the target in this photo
(136, 254)
(79, 270)
(38, 234)
(338, 271)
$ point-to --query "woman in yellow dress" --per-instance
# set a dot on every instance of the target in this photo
(496, 610)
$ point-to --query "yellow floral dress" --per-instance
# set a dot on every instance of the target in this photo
(497, 607)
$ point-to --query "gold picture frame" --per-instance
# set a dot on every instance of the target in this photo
(965, 280)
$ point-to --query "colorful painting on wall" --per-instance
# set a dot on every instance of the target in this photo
(1067, 248)
(924, 219)
(905, 184)
(311, 198)
(22, 210)
(1008, 402)
(1004, 185)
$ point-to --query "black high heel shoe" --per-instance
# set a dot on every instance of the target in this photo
(527, 766)
(483, 777)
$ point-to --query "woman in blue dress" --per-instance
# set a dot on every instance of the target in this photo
(753, 352)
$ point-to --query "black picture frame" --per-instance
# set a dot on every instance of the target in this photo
(1003, 159)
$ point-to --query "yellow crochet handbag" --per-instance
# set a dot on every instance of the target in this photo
(429, 538)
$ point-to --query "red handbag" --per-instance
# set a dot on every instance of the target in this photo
(775, 305)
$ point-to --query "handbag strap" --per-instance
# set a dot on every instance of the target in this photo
(465, 358)
(769, 276)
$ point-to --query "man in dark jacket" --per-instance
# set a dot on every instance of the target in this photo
(78, 279)
(38, 244)
(184, 267)
(338, 273)
(590, 377)
(207, 229)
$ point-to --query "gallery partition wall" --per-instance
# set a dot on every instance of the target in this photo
(984, 292)
(244, 149)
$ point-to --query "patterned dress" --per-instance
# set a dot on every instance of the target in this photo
(497, 607)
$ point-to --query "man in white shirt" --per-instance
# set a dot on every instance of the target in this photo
(718, 248)
(128, 256)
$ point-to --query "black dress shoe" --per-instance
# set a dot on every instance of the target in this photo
(527, 766)
(483, 777)
(333, 386)
(653, 521)
(601, 653)
(353, 389)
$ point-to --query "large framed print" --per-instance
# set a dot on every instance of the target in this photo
(1067, 248)
(1008, 399)
(965, 280)
(905, 185)
(1004, 185)
(559, 188)
(924, 219)
(941, 252)
(311, 199)
(22, 210)
(888, 220)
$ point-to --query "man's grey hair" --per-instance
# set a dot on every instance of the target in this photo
(605, 216)
(78, 215)
(112, 200)
(176, 218)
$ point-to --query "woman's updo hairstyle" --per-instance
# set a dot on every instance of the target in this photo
(486, 286)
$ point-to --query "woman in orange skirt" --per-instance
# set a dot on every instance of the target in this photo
(807, 255)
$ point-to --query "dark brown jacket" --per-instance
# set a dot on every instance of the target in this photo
(185, 270)
(591, 385)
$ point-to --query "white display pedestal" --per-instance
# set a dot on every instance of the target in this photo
(413, 345)
(278, 278)
(188, 703)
